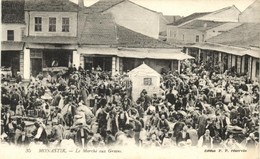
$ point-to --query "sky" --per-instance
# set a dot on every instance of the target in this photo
(185, 7)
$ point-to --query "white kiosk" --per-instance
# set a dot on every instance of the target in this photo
(144, 77)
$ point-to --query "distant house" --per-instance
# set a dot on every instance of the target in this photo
(13, 26)
(251, 14)
(238, 49)
(132, 16)
(50, 35)
(115, 48)
(198, 27)
(198, 31)
(228, 14)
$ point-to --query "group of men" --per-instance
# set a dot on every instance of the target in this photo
(92, 108)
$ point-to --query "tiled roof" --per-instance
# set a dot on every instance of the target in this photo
(99, 29)
(188, 18)
(129, 38)
(51, 5)
(12, 45)
(13, 11)
(50, 39)
(102, 5)
(245, 35)
(201, 25)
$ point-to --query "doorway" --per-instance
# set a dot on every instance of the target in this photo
(36, 66)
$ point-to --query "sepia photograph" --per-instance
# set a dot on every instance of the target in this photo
(135, 79)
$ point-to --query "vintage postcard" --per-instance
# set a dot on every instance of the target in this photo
(153, 79)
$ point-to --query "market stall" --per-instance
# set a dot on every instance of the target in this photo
(144, 77)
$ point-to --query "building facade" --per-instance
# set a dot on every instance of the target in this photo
(237, 49)
(199, 27)
(198, 31)
(103, 43)
(13, 27)
(50, 36)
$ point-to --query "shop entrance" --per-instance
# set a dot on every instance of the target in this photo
(10, 62)
(105, 63)
(36, 64)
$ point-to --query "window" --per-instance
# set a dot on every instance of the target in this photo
(10, 35)
(197, 38)
(147, 81)
(52, 24)
(38, 24)
(65, 24)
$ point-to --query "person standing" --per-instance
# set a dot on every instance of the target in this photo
(193, 135)
(205, 140)
(137, 130)
(40, 134)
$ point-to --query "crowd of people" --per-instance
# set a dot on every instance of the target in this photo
(92, 108)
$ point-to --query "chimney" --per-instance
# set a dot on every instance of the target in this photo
(81, 3)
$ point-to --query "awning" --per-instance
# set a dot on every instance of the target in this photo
(253, 53)
(227, 49)
(50, 40)
(11, 46)
(141, 53)
(98, 51)
(155, 55)
(51, 46)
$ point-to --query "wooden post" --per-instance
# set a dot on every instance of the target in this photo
(27, 64)
(113, 66)
(76, 58)
(187, 51)
(179, 66)
(199, 56)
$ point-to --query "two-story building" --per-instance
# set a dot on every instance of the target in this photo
(132, 16)
(13, 26)
(199, 27)
(198, 31)
(50, 35)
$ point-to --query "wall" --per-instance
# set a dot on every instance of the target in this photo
(159, 65)
(29, 19)
(220, 29)
(254, 68)
(228, 15)
(136, 18)
(17, 31)
(163, 24)
(138, 85)
(175, 34)
(251, 14)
